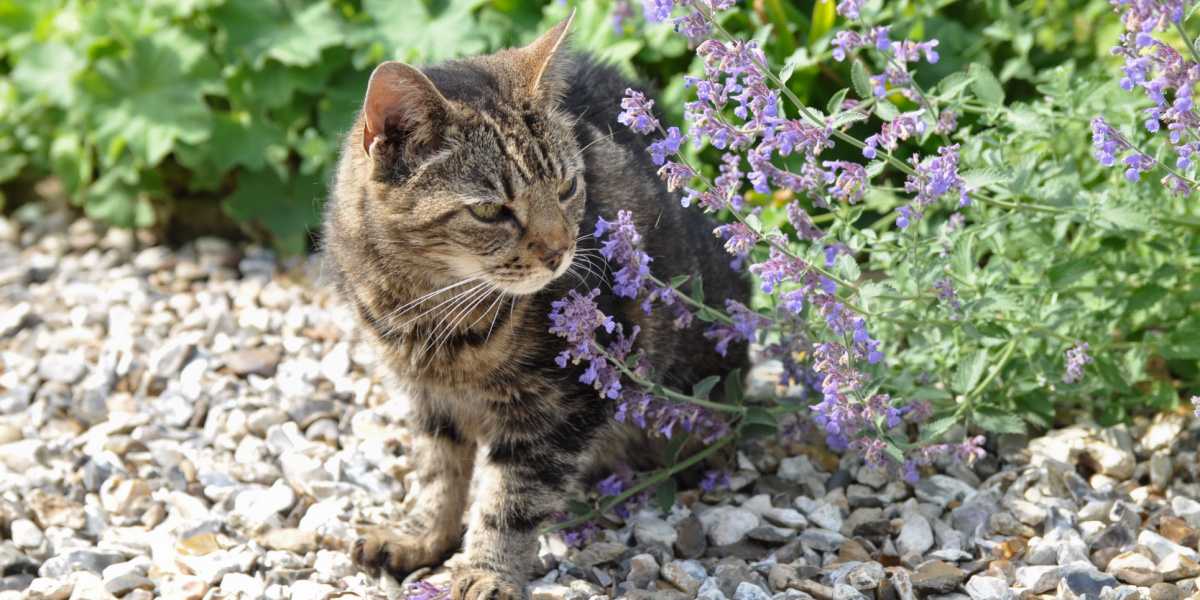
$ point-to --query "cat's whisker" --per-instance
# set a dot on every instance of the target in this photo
(610, 135)
(413, 303)
(499, 309)
(454, 311)
(441, 339)
(453, 300)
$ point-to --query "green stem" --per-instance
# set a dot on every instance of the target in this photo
(666, 391)
(658, 477)
(1004, 356)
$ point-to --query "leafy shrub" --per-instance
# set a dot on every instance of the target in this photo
(153, 111)
(935, 258)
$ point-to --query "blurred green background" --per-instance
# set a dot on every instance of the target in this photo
(224, 116)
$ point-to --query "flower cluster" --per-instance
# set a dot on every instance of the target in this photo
(623, 247)
(1077, 357)
(423, 590)
(1168, 78)
(934, 177)
(1196, 404)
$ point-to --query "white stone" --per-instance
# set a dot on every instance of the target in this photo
(727, 524)
(916, 536)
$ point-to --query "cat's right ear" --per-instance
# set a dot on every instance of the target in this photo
(403, 109)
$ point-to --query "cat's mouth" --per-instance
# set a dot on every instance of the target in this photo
(539, 278)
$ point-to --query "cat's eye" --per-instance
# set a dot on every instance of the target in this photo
(566, 191)
(485, 211)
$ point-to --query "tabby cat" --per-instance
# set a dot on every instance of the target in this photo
(462, 207)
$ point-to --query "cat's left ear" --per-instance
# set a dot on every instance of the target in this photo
(543, 61)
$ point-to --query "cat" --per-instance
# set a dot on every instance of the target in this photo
(461, 208)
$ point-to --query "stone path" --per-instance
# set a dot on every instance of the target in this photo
(205, 423)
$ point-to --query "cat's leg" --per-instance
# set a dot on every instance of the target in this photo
(522, 480)
(432, 525)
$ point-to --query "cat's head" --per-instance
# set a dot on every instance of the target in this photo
(474, 170)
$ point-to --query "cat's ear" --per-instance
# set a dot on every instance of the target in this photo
(544, 59)
(402, 103)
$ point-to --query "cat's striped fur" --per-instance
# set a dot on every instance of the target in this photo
(475, 358)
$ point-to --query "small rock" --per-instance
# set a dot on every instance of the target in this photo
(942, 490)
(866, 576)
(822, 540)
(49, 588)
(311, 590)
(749, 591)
(13, 319)
(1109, 459)
(1134, 568)
(690, 541)
(62, 368)
(1038, 579)
(1084, 581)
(1163, 432)
(25, 534)
(599, 553)
(643, 571)
(652, 531)
(938, 577)
(94, 561)
(1186, 509)
(122, 578)
(1176, 567)
(1165, 591)
(982, 587)
(822, 514)
(1163, 547)
(687, 575)
(254, 361)
(915, 537)
(727, 525)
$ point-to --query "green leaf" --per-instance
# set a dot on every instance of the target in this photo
(824, 13)
(798, 60)
(848, 267)
(579, 509)
(835, 102)
(704, 387)
(679, 280)
(996, 422)
(757, 422)
(284, 211)
(256, 31)
(936, 429)
(698, 289)
(980, 178)
(422, 31)
(886, 111)
(664, 495)
(969, 371)
(48, 71)
(152, 99)
(985, 85)
(1067, 272)
(860, 79)
(734, 389)
(1145, 296)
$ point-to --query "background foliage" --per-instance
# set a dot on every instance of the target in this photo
(144, 110)
(160, 112)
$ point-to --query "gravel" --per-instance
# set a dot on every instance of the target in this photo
(206, 422)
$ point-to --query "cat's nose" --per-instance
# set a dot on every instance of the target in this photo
(550, 256)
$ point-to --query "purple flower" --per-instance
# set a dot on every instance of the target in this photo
(622, 11)
(849, 180)
(637, 113)
(693, 26)
(423, 590)
(1196, 404)
(935, 177)
(1077, 357)
(667, 146)
(657, 11)
(849, 8)
(714, 479)
(612, 485)
(622, 248)
(799, 219)
(946, 292)
(677, 176)
(744, 327)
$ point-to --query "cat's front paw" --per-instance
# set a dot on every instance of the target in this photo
(397, 554)
(478, 584)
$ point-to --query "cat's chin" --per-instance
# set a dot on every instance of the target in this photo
(527, 287)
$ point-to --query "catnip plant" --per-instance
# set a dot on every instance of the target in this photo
(875, 231)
